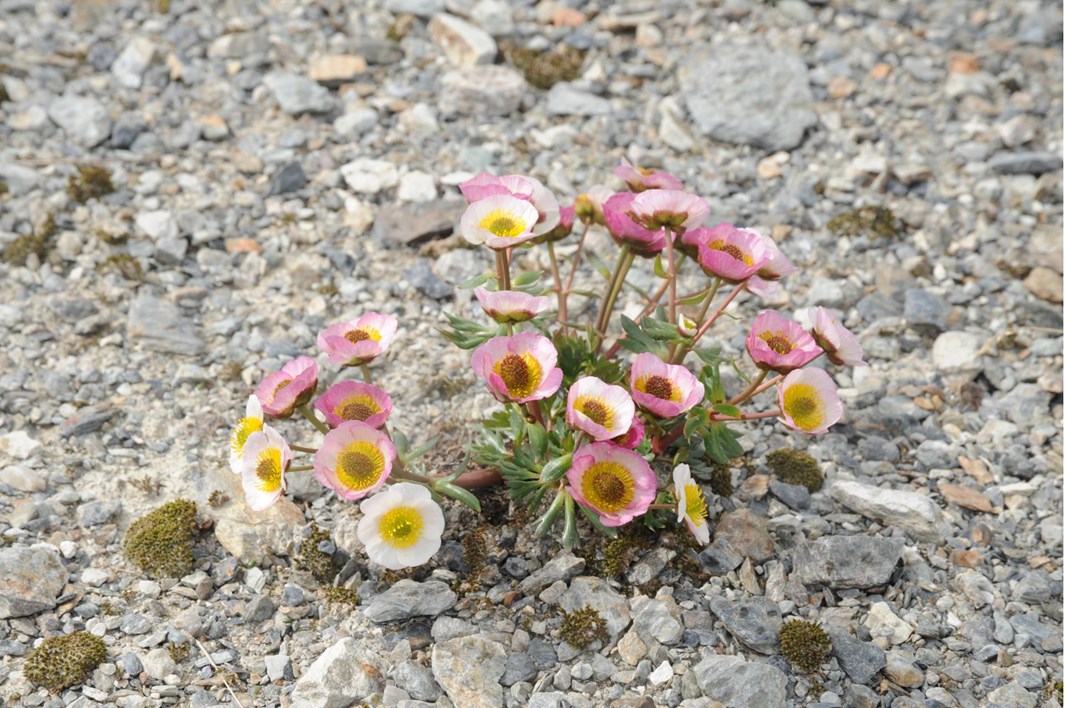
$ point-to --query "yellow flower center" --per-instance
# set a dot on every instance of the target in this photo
(401, 527)
(268, 469)
(362, 334)
(659, 387)
(694, 504)
(804, 404)
(357, 408)
(596, 410)
(360, 465)
(733, 250)
(777, 341)
(503, 223)
(245, 427)
(520, 372)
(608, 486)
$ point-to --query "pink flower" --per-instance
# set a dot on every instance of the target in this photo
(640, 179)
(615, 483)
(282, 391)
(521, 187)
(808, 401)
(265, 459)
(354, 460)
(359, 341)
(510, 306)
(499, 222)
(518, 368)
(590, 204)
(616, 213)
(778, 265)
(780, 344)
(729, 253)
(666, 390)
(632, 438)
(840, 345)
(354, 400)
(669, 208)
(599, 409)
(564, 228)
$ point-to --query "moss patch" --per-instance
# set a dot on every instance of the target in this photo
(124, 264)
(91, 182)
(61, 662)
(582, 627)
(804, 645)
(160, 542)
(39, 242)
(796, 467)
(313, 559)
(872, 221)
(335, 595)
(545, 69)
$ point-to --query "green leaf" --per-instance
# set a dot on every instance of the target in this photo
(594, 518)
(695, 299)
(657, 329)
(660, 267)
(553, 470)
(569, 527)
(728, 409)
(598, 264)
(697, 418)
(421, 449)
(458, 493)
(537, 439)
(399, 440)
(551, 515)
(477, 280)
(523, 279)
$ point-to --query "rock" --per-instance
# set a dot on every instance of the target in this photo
(882, 622)
(588, 591)
(18, 178)
(130, 664)
(796, 496)
(408, 598)
(18, 445)
(157, 225)
(565, 100)
(336, 69)
(253, 536)
(213, 127)
(356, 122)
(418, 8)
(298, 94)
(416, 187)
(417, 680)
(847, 561)
(519, 668)
(160, 326)
(753, 621)
(135, 624)
(99, 512)
(914, 513)
(738, 683)
(1045, 283)
(23, 479)
(482, 91)
(30, 580)
(463, 44)
(958, 353)
(1025, 163)
(719, 558)
(902, 671)
(84, 120)
(494, 16)
(469, 669)
(746, 533)
(377, 51)
(748, 95)
(259, 609)
(631, 648)
(289, 178)
(369, 176)
(563, 566)
(94, 577)
(278, 667)
(134, 60)
(87, 420)
(346, 673)
(653, 617)
(965, 497)
(415, 224)
(662, 674)
(925, 312)
(1013, 694)
(127, 129)
(158, 664)
(860, 660)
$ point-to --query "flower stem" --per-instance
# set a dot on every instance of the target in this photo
(401, 472)
(663, 507)
(563, 311)
(749, 391)
(625, 259)
(536, 412)
(503, 269)
(299, 468)
(366, 376)
(747, 416)
(306, 412)
(767, 385)
(300, 448)
(558, 280)
(672, 278)
(678, 357)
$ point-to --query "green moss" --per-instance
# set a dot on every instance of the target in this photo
(61, 662)
(620, 552)
(125, 265)
(178, 652)
(335, 595)
(1053, 689)
(4, 189)
(475, 551)
(872, 221)
(18, 251)
(804, 645)
(91, 182)
(582, 627)
(218, 498)
(545, 69)
(4, 97)
(796, 467)
(314, 560)
(160, 542)
(721, 480)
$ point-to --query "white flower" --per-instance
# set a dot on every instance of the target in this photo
(401, 526)
(251, 422)
(266, 457)
(691, 504)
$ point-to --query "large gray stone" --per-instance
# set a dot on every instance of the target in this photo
(298, 94)
(564, 566)
(860, 660)
(84, 120)
(160, 326)
(464, 45)
(589, 591)
(847, 561)
(753, 621)
(343, 675)
(741, 684)
(18, 178)
(469, 669)
(409, 598)
(748, 94)
(565, 100)
(482, 91)
(914, 513)
(30, 580)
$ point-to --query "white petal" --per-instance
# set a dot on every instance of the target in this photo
(253, 409)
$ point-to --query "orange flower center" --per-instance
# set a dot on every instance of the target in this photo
(778, 342)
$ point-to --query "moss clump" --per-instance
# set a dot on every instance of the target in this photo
(619, 553)
(336, 595)
(125, 265)
(91, 182)
(804, 645)
(313, 559)
(796, 467)
(161, 542)
(721, 480)
(582, 627)
(218, 498)
(4, 189)
(18, 251)
(475, 551)
(545, 69)
(873, 221)
(178, 652)
(61, 662)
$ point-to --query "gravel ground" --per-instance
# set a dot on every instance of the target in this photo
(277, 169)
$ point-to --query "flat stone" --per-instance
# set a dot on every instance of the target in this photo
(346, 673)
(589, 591)
(958, 352)
(298, 94)
(861, 661)
(134, 60)
(519, 668)
(278, 667)
(158, 224)
(356, 122)
(158, 664)
(23, 479)
(738, 683)
(290, 178)
(883, 622)
(84, 120)
(914, 513)
(463, 44)
(416, 187)
(926, 312)
(564, 566)
(482, 91)
(1025, 163)
(408, 598)
(746, 533)
(565, 100)
(469, 669)
(1045, 283)
(253, 536)
(368, 176)
(18, 445)
(415, 224)
(418, 8)
(30, 580)
(18, 178)
(417, 680)
(159, 325)
(655, 618)
(336, 69)
(901, 669)
(965, 497)
(796, 496)
(847, 561)
(1013, 694)
(87, 420)
(753, 621)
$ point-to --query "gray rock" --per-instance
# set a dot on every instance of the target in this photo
(30, 580)
(134, 60)
(469, 669)
(415, 224)
(754, 621)
(421, 276)
(463, 44)
(1013, 694)
(18, 178)
(377, 51)
(746, 533)
(278, 667)
(957, 353)
(924, 311)
(84, 120)
(130, 664)
(847, 561)
(588, 591)
(795, 496)
(289, 178)
(408, 598)
(259, 609)
(1025, 163)
(741, 684)
(482, 91)
(346, 673)
(417, 680)
(127, 129)
(87, 420)
(519, 668)
(914, 513)
(355, 123)
(860, 660)
(563, 566)
(565, 100)
(96, 513)
(158, 664)
(418, 8)
(748, 95)
(158, 224)
(160, 326)
(298, 94)
(719, 557)
(135, 624)
(652, 617)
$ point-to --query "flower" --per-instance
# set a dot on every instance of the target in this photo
(499, 222)
(354, 400)
(808, 401)
(763, 283)
(616, 213)
(521, 187)
(691, 504)
(599, 409)
(669, 208)
(282, 391)
(401, 526)
(589, 205)
(358, 341)
(615, 483)
(250, 423)
(354, 459)
(563, 229)
(266, 457)
(840, 345)
(640, 179)
(511, 306)
(729, 253)
(780, 344)
(631, 438)
(666, 390)
(518, 368)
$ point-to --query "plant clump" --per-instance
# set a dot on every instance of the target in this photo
(178, 652)
(91, 182)
(619, 553)
(796, 467)
(160, 542)
(19, 251)
(804, 645)
(339, 595)
(126, 265)
(582, 627)
(721, 480)
(874, 221)
(61, 662)
(545, 69)
(313, 559)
